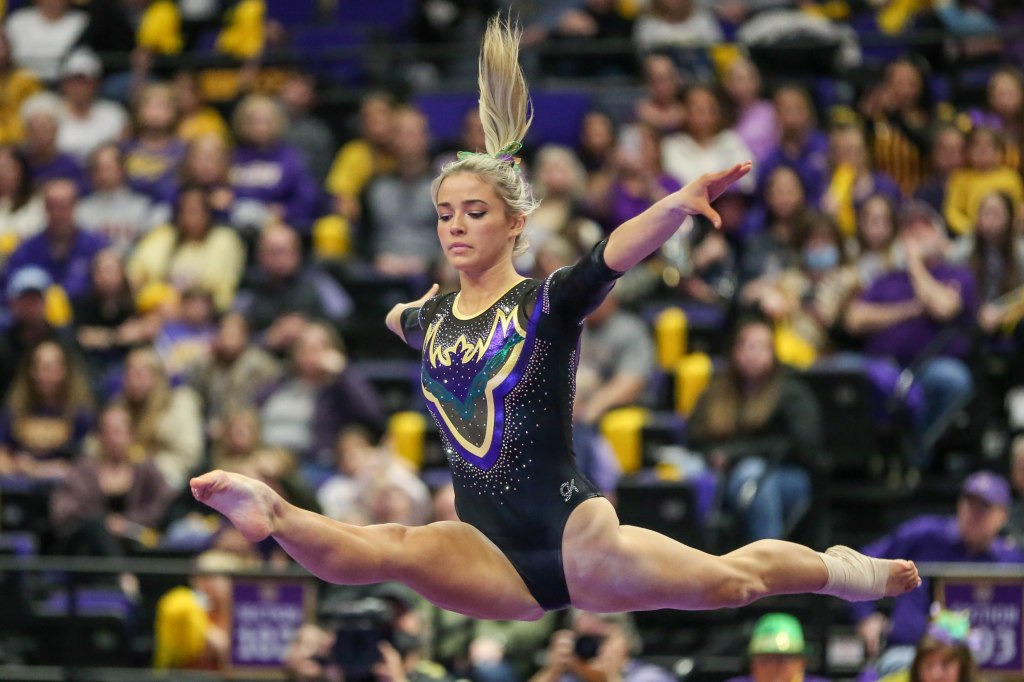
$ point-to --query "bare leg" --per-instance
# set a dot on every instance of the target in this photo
(619, 568)
(451, 564)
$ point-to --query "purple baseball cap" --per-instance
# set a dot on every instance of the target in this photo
(988, 487)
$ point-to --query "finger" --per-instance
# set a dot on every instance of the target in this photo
(711, 214)
(732, 174)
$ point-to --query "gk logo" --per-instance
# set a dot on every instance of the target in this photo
(568, 488)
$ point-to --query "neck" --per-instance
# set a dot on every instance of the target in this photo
(412, 168)
(79, 108)
(478, 290)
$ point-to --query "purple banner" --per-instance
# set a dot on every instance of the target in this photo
(265, 617)
(995, 609)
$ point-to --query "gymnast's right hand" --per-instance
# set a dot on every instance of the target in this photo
(249, 504)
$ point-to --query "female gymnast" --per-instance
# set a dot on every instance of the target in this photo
(498, 374)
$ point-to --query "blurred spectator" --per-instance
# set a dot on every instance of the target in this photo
(802, 145)
(186, 336)
(21, 208)
(776, 231)
(676, 24)
(853, 180)
(306, 132)
(47, 413)
(947, 157)
(756, 121)
(662, 106)
(63, 250)
(193, 252)
(1004, 111)
(107, 324)
(280, 293)
(166, 419)
(471, 139)
(598, 647)
(945, 653)
(198, 119)
(639, 178)
(707, 143)
(40, 35)
(810, 301)
(589, 20)
(985, 173)
(86, 121)
(41, 116)
(318, 397)
(236, 435)
(560, 182)
(153, 156)
(364, 158)
(876, 235)
(598, 134)
(113, 210)
(901, 121)
(16, 86)
(400, 220)
(366, 476)
(994, 251)
(207, 165)
(760, 426)
(777, 651)
(111, 499)
(268, 175)
(26, 323)
(919, 319)
(234, 373)
(971, 536)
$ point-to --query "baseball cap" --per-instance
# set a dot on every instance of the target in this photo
(987, 486)
(81, 62)
(28, 278)
(777, 633)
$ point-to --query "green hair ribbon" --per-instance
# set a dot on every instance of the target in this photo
(506, 154)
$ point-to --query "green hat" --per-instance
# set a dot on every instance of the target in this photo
(777, 633)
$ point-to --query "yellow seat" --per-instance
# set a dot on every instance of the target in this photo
(407, 434)
(623, 429)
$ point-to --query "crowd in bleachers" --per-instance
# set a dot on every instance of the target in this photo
(195, 262)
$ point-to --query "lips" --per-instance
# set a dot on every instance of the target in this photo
(458, 247)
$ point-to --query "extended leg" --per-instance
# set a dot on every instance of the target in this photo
(451, 564)
(623, 568)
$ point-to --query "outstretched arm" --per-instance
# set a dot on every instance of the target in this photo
(394, 316)
(641, 236)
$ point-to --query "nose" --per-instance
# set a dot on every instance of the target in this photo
(456, 224)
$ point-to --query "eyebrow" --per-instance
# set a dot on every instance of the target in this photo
(447, 204)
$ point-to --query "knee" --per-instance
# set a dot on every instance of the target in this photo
(947, 375)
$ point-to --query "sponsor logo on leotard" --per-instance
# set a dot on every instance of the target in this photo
(568, 488)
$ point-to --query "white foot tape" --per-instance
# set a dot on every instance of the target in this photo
(853, 576)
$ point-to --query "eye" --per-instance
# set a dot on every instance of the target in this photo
(477, 215)
(444, 217)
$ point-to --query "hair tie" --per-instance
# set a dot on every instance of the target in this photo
(506, 154)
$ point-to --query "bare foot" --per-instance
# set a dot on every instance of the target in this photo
(903, 577)
(249, 504)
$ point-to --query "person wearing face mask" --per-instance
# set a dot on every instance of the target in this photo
(915, 323)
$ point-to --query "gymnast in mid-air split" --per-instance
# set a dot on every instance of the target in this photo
(498, 374)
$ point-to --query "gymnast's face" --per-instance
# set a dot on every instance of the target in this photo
(474, 226)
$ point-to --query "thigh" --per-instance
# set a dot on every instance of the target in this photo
(455, 566)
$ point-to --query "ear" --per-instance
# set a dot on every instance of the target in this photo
(518, 224)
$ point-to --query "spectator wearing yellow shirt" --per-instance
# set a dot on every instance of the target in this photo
(193, 252)
(364, 158)
(16, 86)
(985, 174)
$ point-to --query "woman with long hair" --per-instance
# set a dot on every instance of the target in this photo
(761, 428)
(47, 413)
(497, 374)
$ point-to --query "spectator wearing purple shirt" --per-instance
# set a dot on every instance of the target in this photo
(947, 155)
(801, 145)
(61, 249)
(973, 536)
(919, 318)
(41, 117)
(756, 121)
(269, 176)
(639, 179)
(153, 157)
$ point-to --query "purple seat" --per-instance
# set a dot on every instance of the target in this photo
(293, 12)
(391, 16)
(444, 112)
(558, 116)
(332, 52)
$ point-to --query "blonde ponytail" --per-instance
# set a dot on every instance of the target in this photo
(506, 114)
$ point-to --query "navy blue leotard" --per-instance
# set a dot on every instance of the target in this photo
(500, 386)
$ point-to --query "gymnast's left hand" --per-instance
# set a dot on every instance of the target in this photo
(696, 197)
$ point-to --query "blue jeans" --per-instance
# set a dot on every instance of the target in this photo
(770, 501)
